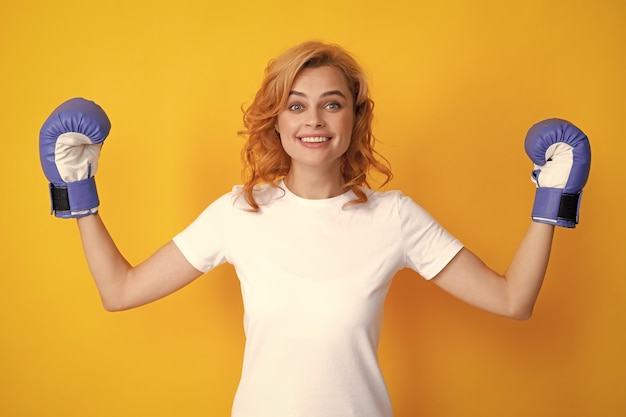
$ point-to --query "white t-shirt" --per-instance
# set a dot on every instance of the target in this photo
(314, 275)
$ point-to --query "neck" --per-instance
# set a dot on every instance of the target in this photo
(314, 185)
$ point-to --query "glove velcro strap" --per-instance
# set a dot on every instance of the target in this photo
(75, 199)
(60, 200)
(553, 206)
(568, 210)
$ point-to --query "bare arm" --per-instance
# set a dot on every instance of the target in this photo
(512, 294)
(123, 286)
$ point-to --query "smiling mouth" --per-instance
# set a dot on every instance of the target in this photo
(315, 139)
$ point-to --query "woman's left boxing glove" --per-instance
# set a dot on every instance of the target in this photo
(69, 147)
(562, 157)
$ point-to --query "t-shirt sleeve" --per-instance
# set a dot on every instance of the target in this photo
(203, 242)
(428, 246)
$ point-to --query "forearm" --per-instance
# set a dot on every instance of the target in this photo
(107, 265)
(526, 272)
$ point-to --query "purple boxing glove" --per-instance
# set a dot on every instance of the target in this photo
(69, 147)
(562, 157)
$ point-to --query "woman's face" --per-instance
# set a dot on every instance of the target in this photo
(316, 126)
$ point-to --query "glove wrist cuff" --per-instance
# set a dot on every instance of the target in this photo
(553, 206)
(74, 199)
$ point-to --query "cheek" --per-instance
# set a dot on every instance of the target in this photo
(286, 144)
(349, 124)
(280, 124)
(286, 121)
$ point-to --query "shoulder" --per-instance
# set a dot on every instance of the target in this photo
(388, 195)
(396, 202)
(264, 194)
(385, 198)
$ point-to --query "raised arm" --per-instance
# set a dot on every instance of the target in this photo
(69, 142)
(122, 286)
(562, 158)
(512, 294)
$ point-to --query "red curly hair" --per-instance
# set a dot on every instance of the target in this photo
(264, 158)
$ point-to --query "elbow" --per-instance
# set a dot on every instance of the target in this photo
(112, 305)
(113, 298)
(522, 316)
(110, 309)
(520, 313)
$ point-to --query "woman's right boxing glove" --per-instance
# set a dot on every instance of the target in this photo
(69, 147)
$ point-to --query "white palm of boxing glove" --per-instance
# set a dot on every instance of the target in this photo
(76, 156)
(556, 171)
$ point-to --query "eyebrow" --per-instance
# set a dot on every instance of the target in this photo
(325, 94)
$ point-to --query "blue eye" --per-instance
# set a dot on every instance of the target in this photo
(295, 107)
(333, 106)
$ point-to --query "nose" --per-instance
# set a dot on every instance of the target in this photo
(315, 119)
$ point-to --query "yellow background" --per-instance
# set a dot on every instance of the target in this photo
(456, 85)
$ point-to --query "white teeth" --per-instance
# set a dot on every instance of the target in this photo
(316, 139)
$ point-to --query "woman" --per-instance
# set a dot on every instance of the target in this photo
(314, 248)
